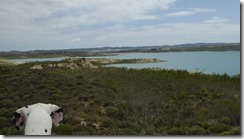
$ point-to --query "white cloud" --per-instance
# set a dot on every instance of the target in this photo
(216, 20)
(45, 18)
(80, 11)
(203, 10)
(61, 23)
(190, 12)
(181, 13)
(175, 33)
(75, 40)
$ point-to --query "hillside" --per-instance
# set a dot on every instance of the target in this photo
(120, 101)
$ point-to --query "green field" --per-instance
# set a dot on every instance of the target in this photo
(120, 101)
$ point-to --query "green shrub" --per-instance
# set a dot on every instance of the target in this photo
(233, 131)
(64, 129)
(93, 118)
(78, 129)
(6, 103)
(196, 130)
(225, 120)
(176, 131)
(11, 131)
(107, 123)
(112, 112)
(83, 98)
(205, 125)
(5, 122)
(150, 130)
(129, 125)
(4, 112)
(73, 120)
(219, 128)
(91, 110)
(92, 103)
(125, 131)
(56, 96)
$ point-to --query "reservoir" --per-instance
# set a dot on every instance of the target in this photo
(227, 62)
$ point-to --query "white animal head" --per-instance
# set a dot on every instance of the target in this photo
(38, 118)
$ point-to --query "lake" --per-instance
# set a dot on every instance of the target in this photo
(205, 61)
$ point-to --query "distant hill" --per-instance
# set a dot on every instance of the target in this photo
(122, 49)
(179, 47)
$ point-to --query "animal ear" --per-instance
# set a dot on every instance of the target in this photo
(57, 116)
(19, 119)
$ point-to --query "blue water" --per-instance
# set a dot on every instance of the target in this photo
(37, 59)
(207, 62)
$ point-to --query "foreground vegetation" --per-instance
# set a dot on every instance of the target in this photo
(120, 101)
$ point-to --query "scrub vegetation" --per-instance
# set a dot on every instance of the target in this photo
(120, 101)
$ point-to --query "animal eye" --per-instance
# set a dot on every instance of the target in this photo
(45, 130)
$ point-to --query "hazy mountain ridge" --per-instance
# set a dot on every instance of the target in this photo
(122, 49)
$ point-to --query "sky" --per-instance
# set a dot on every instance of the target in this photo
(64, 24)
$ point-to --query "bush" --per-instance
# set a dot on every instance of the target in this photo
(92, 104)
(6, 103)
(107, 123)
(91, 110)
(225, 120)
(112, 112)
(4, 112)
(129, 125)
(233, 131)
(73, 120)
(64, 129)
(176, 131)
(4, 122)
(78, 128)
(219, 128)
(196, 130)
(125, 131)
(205, 125)
(11, 131)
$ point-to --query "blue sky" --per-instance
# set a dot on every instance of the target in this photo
(63, 24)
